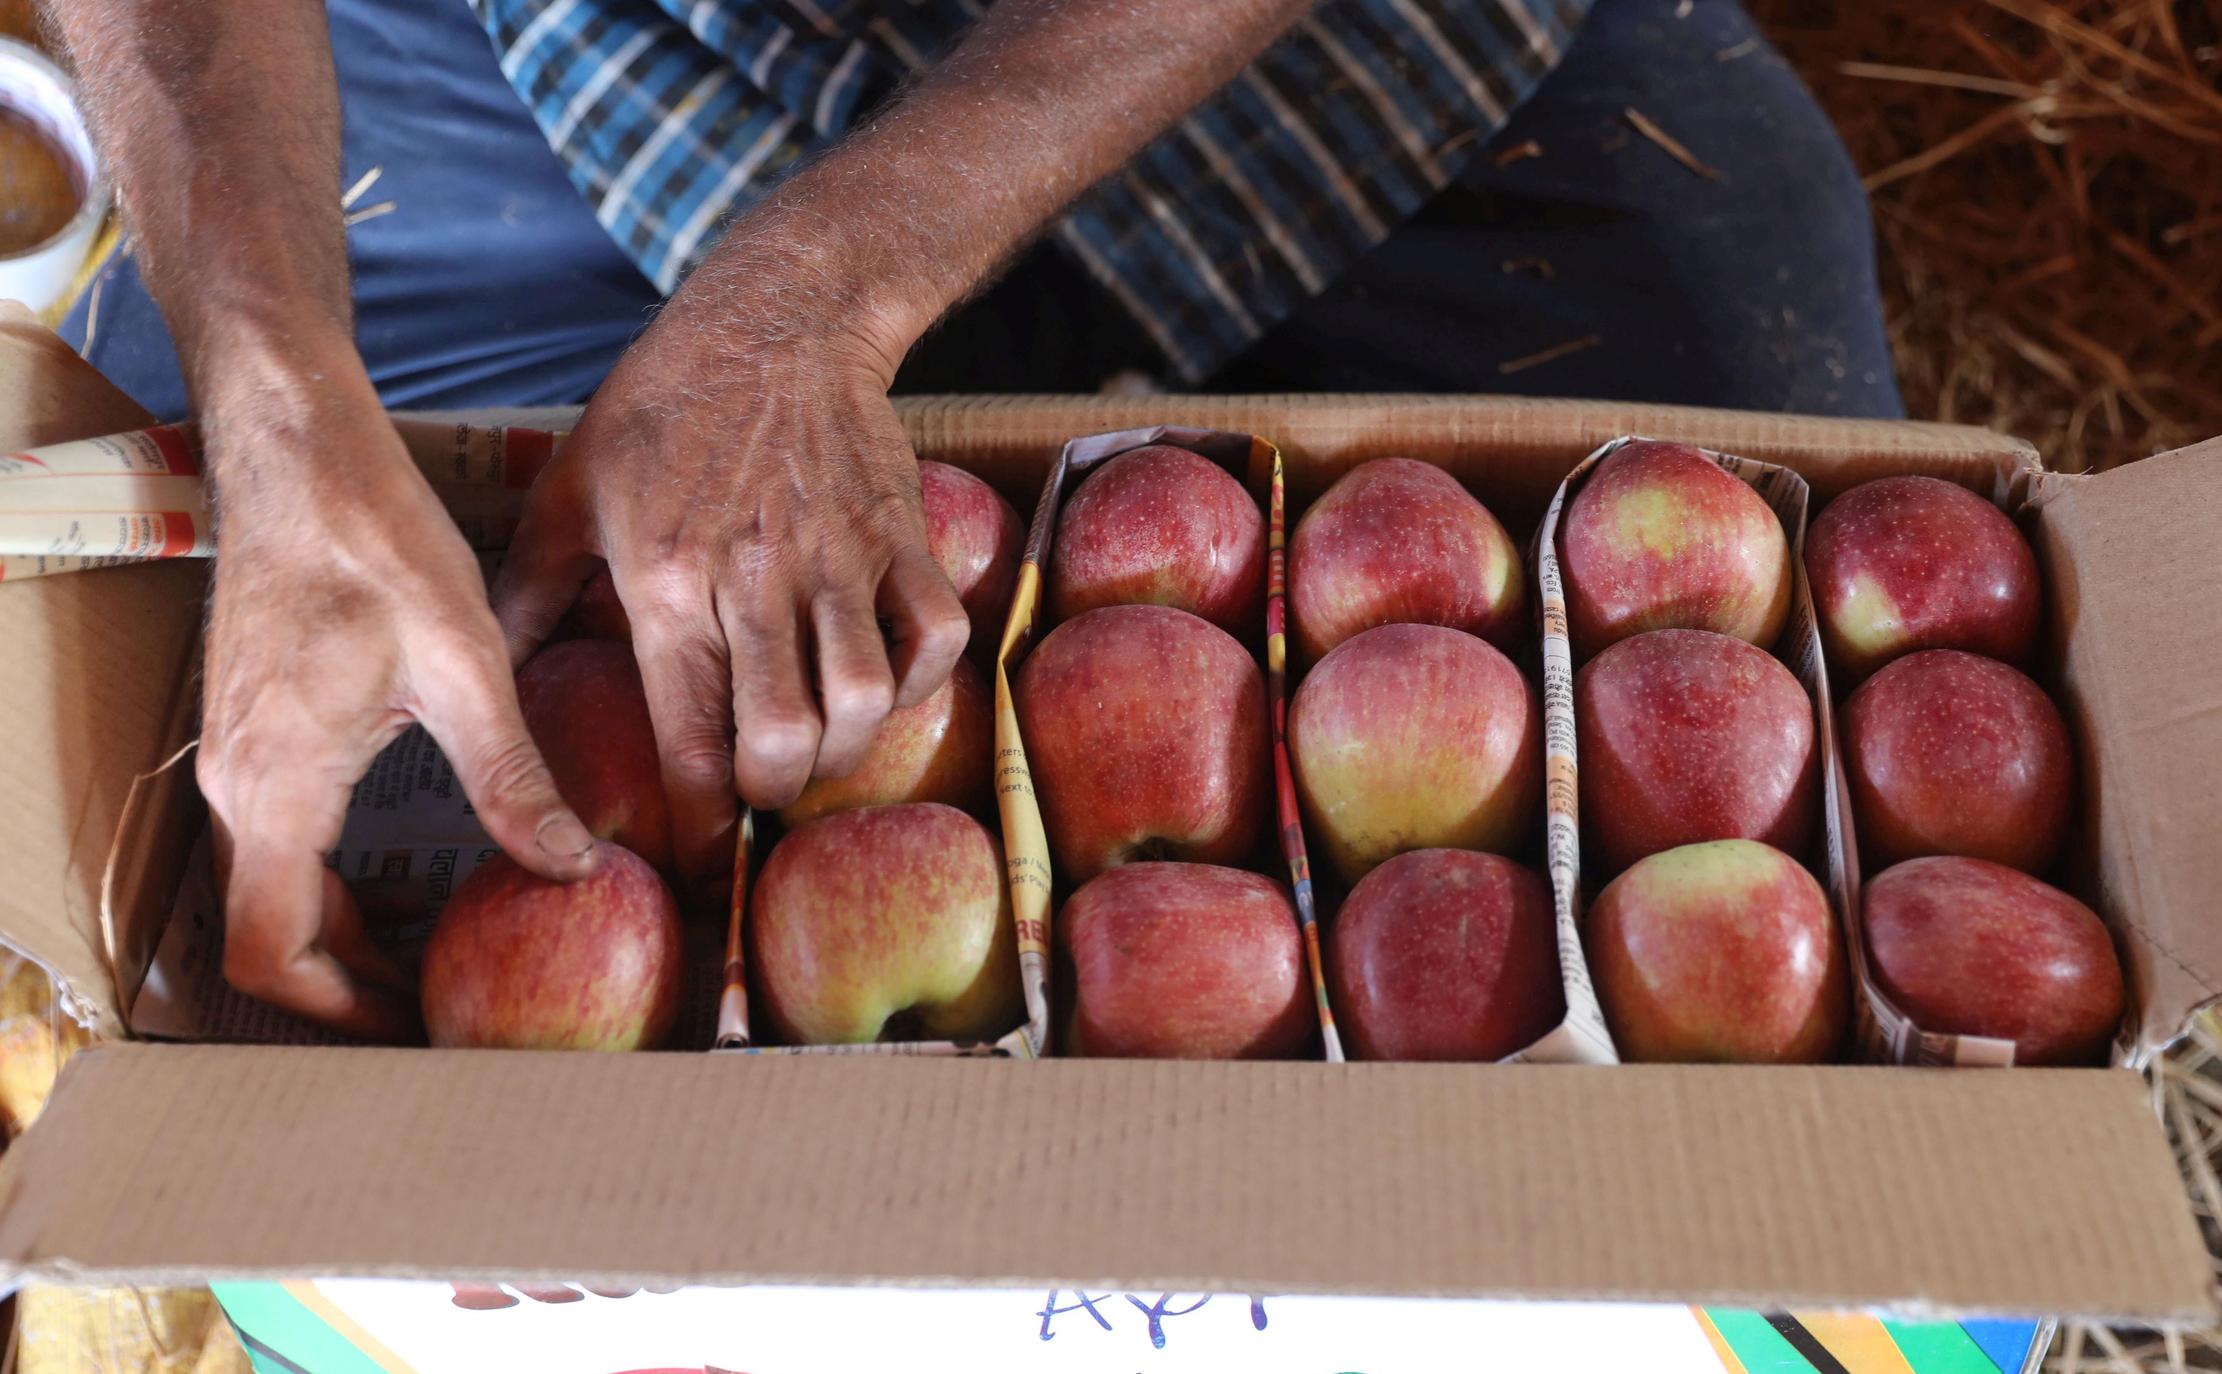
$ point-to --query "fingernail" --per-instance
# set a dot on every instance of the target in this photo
(561, 836)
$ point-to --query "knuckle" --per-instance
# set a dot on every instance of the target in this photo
(897, 517)
(759, 567)
(945, 628)
(860, 696)
(780, 738)
(699, 761)
(511, 769)
(239, 765)
(661, 585)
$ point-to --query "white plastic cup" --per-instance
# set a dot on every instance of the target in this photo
(33, 87)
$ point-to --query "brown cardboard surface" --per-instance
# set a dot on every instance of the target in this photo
(1518, 446)
(1730, 1185)
(2135, 597)
(95, 665)
(48, 394)
(1512, 446)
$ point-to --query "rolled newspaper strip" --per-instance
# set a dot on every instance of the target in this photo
(127, 498)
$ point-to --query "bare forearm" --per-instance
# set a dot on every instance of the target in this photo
(220, 123)
(1042, 99)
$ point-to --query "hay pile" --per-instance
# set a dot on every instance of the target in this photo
(2047, 184)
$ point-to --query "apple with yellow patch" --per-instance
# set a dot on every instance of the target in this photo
(1660, 537)
(1723, 952)
(889, 923)
(1415, 737)
(1908, 563)
(941, 750)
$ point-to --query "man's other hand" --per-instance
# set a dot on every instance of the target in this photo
(751, 489)
(346, 605)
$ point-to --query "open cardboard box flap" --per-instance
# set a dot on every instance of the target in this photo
(2031, 1191)
(2028, 1191)
(2135, 600)
(97, 667)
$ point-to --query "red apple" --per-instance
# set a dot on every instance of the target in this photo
(1953, 753)
(978, 540)
(890, 923)
(583, 703)
(1719, 952)
(1445, 954)
(1660, 538)
(598, 614)
(1145, 732)
(1908, 563)
(1415, 737)
(1185, 961)
(519, 962)
(1687, 735)
(1161, 527)
(1967, 947)
(1397, 541)
(941, 750)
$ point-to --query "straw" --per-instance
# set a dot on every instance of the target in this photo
(2187, 1095)
(2047, 186)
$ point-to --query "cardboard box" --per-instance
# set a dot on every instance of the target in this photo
(2026, 1191)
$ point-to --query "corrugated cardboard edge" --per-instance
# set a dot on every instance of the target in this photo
(1012, 440)
(2135, 607)
(1514, 447)
(1755, 1187)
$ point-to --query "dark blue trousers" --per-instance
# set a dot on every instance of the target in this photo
(1573, 257)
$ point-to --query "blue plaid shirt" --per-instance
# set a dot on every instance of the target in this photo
(675, 115)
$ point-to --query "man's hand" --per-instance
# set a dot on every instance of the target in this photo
(742, 471)
(346, 605)
(752, 491)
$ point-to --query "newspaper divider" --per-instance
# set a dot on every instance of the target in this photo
(134, 497)
(1799, 648)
